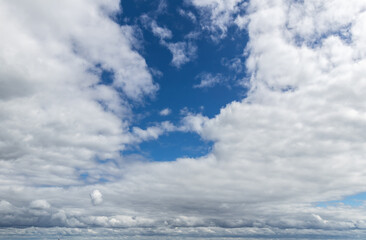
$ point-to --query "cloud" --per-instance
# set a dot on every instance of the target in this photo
(158, 31)
(187, 14)
(150, 133)
(39, 204)
(235, 64)
(209, 80)
(289, 124)
(96, 197)
(161, 32)
(218, 15)
(165, 112)
(162, 7)
(182, 52)
(57, 115)
(296, 140)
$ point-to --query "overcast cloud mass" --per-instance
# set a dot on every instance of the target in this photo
(284, 157)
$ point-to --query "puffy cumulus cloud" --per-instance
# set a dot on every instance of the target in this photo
(56, 113)
(295, 140)
(96, 197)
(298, 134)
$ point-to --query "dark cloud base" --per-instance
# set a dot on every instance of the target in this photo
(173, 233)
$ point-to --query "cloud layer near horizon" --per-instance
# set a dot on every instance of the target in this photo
(295, 140)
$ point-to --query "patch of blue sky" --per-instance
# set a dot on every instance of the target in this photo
(356, 200)
(177, 91)
(107, 77)
(171, 146)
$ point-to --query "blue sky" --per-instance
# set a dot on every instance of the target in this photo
(189, 119)
(177, 91)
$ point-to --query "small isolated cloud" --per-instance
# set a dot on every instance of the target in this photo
(187, 14)
(182, 52)
(96, 197)
(165, 112)
(150, 133)
(193, 35)
(160, 32)
(209, 80)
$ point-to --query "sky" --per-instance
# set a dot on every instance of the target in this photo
(184, 119)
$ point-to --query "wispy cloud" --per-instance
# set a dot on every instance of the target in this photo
(208, 80)
(182, 52)
(218, 15)
(161, 32)
(188, 14)
(165, 112)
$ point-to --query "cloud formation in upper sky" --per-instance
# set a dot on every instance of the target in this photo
(296, 139)
(56, 112)
(218, 15)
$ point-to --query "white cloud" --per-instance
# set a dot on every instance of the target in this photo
(158, 31)
(182, 52)
(298, 138)
(151, 133)
(162, 7)
(241, 21)
(209, 80)
(188, 14)
(56, 116)
(165, 112)
(96, 197)
(218, 15)
(300, 127)
(161, 32)
(236, 65)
